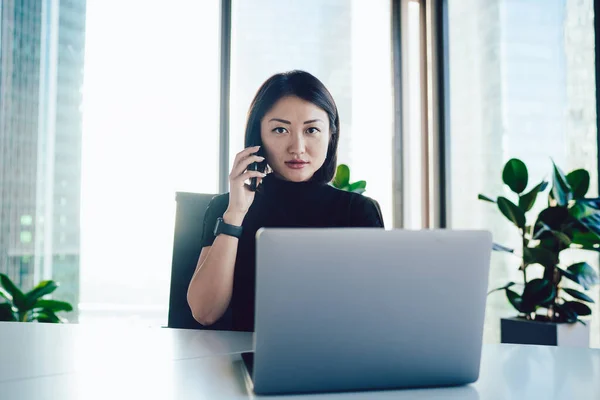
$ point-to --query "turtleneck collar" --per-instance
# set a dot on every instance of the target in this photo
(274, 186)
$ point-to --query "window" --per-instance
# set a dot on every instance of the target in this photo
(150, 128)
(26, 237)
(522, 84)
(98, 143)
(346, 44)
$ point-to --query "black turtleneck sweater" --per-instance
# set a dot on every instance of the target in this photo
(280, 203)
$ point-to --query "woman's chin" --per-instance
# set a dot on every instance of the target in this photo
(296, 176)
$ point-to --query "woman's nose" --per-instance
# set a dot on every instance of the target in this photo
(297, 145)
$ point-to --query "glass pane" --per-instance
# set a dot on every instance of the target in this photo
(346, 44)
(522, 78)
(150, 129)
(105, 113)
(42, 56)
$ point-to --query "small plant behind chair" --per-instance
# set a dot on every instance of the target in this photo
(342, 181)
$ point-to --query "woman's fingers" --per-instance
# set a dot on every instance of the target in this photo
(258, 182)
(243, 164)
(250, 174)
(244, 154)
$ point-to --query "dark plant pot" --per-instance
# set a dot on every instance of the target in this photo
(522, 331)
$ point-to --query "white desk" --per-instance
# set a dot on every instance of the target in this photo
(43, 361)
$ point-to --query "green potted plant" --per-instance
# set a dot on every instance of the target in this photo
(30, 306)
(341, 181)
(550, 304)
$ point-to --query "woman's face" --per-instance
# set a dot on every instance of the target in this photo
(295, 136)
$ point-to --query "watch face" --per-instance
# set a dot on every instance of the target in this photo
(218, 226)
(222, 227)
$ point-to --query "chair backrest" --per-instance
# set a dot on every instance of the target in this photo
(189, 219)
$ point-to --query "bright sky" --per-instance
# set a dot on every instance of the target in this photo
(150, 129)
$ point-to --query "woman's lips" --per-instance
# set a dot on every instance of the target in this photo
(296, 164)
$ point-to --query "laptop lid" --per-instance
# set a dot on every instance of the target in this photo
(364, 308)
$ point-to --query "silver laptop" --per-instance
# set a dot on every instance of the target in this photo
(341, 309)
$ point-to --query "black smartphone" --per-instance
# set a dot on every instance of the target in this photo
(256, 166)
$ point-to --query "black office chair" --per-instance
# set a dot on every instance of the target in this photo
(186, 250)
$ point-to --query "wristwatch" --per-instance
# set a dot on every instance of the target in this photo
(221, 227)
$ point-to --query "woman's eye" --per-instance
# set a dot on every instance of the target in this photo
(312, 130)
(279, 130)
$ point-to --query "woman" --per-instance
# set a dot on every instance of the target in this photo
(293, 122)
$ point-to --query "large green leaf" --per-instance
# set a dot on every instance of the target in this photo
(42, 289)
(515, 300)
(539, 255)
(562, 237)
(46, 316)
(5, 295)
(587, 240)
(485, 198)
(579, 180)
(53, 305)
(541, 230)
(527, 200)
(568, 274)
(593, 202)
(583, 209)
(554, 217)
(544, 233)
(561, 190)
(577, 307)
(509, 284)
(578, 295)
(357, 185)
(511, 211)
(551, 244)
(584, 274)
(537, 293)
(586, 214)
(567, 315)
(342, 176)
(515, 175)
(592, 224)
(7, 312)
(17, 296)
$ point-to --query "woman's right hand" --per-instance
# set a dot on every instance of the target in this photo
(240, 195)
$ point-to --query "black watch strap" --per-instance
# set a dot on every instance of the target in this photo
(221, 227)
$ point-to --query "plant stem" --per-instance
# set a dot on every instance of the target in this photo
(524, 243)
(555, 281)
(523, 266)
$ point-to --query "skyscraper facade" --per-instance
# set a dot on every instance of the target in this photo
(41, 57)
